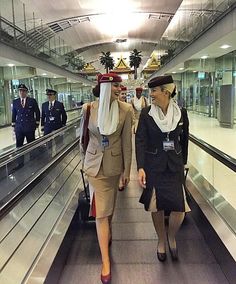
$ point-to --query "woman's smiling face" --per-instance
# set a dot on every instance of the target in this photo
(115, 91)
(157, 96)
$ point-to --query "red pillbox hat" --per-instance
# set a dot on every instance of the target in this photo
(110, 78)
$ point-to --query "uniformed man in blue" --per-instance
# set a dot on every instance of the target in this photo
(25, 116)
(53, 113)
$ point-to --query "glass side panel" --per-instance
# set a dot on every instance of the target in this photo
(215, 182)
(18, 171)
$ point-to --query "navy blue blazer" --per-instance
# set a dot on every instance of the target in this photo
(149, 144)
(53, 119)
(25, 118)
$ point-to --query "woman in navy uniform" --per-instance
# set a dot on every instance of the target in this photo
(161, 152)
(53, 113)
(25, 116)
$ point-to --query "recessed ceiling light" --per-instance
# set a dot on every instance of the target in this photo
(173, 72)
(181, 68)
(224, 46)
(194, 71)
(44, 74)
(54, 77)
(10, 64)
(204, 57)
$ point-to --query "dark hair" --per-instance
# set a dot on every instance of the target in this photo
(96, 91)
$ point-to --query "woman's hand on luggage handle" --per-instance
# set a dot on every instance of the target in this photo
(125, 180)
(142, 178)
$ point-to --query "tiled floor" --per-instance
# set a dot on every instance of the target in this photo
(209, 130)
(133, 250)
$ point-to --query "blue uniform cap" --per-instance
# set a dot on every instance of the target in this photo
(22, 87)
(50, 92)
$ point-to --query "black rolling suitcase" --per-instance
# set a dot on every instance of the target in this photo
(84, 202)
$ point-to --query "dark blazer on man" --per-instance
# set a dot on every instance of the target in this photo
(54, 118)
(25, 119)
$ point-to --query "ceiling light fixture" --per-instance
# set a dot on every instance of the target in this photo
(224, 46)
(204, 57)
(44, 74)
(10, 64)
(181, 68)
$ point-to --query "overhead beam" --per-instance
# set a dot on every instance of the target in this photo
(9, 52)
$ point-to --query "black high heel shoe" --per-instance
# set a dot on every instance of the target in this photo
(161, 255)
(173, 251)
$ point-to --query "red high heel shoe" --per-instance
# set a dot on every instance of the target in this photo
(106, 279)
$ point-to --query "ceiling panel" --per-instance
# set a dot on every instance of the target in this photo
(109, 20)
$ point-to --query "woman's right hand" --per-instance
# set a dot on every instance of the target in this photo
(142, 178)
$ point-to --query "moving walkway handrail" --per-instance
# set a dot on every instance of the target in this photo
(11, 151)
(14, 154)
(220, 156)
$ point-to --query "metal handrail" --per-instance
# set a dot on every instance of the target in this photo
(14, 150)
(220, 156)
(16, 153)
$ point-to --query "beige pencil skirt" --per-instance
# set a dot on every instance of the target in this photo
(103, 192)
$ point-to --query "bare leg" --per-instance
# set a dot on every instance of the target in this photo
(103, 232)
(159, 224)
(175, 221)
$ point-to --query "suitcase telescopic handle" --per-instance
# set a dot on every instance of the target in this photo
(85, 189)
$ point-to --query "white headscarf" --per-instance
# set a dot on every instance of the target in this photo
(138, 103)
(169, 121)
(108, 115)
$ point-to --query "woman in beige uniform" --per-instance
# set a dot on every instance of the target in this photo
(108, 155)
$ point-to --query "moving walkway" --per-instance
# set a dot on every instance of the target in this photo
(43, 241)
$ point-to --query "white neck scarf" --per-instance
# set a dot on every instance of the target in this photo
(138, 103)
(108, 115)
(169, 121)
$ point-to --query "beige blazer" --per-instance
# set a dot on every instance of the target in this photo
(115, 158)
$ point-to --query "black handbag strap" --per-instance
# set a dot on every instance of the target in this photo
(85, 188)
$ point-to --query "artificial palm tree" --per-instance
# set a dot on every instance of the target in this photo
(74, 61)
(135, 60)
(107, 60)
